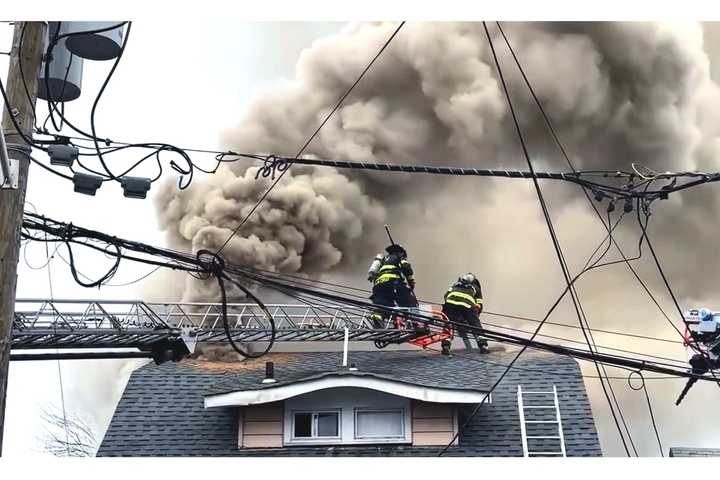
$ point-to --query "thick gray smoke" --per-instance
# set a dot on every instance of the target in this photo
(618, 94)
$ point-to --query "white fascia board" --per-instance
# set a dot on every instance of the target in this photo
(274, 394)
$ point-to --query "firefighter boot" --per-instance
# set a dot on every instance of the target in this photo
(482, 345)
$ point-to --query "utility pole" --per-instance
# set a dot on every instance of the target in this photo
(12, 200)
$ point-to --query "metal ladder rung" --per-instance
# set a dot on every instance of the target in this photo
(524, 422)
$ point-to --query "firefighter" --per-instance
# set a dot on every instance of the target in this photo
(463, 303)
(393, 283)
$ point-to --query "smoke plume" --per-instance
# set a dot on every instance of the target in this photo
(618, 93)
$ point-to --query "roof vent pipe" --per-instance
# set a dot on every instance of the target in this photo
(269, 373)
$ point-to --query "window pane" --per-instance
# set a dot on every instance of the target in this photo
(379, 424)
(327, 425)
(303, 425)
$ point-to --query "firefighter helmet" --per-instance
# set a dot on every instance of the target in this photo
(470, 279)
(396, 249)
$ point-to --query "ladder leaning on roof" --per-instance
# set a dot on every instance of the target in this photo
(523, 397)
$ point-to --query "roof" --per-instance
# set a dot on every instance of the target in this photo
(694, 452)
(162, 410)
(392, 372)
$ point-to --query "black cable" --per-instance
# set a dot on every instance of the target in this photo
(38, 162)
(99, 95)
(215, 265)
(19, 131)
(643, 387)
(556, 245)
(185, 262)
(312, 137)
(48, 58)
(559, 144)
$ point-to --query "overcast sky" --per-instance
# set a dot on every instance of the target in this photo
(183, 83)
(179, 82)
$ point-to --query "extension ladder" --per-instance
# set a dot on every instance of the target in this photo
(533, 415)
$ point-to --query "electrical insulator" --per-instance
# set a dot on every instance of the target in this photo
(135, 187)
(94, 46)
(86, 184)
(611, 206)
(599, 196)
(64, 70)
(62, 155)
(628, 205)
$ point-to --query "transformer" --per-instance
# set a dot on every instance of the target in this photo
(94, 46)
(64, 69)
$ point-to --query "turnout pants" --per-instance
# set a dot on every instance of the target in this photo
(459, 314)
(391, 294)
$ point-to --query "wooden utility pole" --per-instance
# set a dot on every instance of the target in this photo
(12, 201)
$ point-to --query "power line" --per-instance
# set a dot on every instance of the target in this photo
(564, 153)
(553, 237)
(643, 387)
(317, 130)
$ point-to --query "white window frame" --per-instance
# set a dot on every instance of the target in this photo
(399, 439)
(346, 403)
(314, 438)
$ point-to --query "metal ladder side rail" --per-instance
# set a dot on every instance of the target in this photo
(523, 422)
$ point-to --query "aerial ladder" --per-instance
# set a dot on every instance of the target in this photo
(163, 331)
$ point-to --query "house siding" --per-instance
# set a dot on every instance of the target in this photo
(432, 423)
(262, 426)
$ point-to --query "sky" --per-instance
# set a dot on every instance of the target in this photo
(170, 87)
(182, 82)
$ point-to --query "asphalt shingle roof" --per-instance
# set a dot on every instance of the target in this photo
(424, 370)
(161, 412)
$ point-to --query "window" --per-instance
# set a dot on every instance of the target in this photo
(347, 416)
(315, 425)
(379, 424)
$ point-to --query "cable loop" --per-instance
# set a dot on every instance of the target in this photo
(210, 262)
(271, 166)
(642, 380)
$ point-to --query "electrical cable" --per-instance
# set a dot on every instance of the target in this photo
(99, 95)
(643, 387)
(312, 137)
(38, 162)
(559, 144)
(185, 262)
(556, 245)
(48, 259)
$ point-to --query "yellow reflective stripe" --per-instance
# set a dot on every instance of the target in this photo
(459, 304)
(464, 296)
(479, 301)
(387, 277)
(388, 267)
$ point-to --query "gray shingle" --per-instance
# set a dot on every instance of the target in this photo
(161, 412)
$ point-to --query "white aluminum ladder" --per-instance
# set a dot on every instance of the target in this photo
(524, 422)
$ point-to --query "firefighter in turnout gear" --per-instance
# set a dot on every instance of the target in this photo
(393, 283)
(463, 303)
